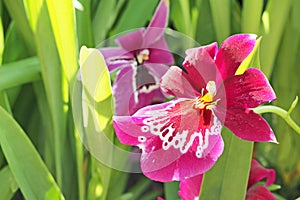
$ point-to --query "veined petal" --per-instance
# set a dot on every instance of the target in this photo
(116, 58)
(131, 41)
(156, 27)
(190, 188)
(258, 172)
(172, 131)
(259, 192)
(247, 125)
(200, 66)
(175, 83)
(248, 90)
(232, 53)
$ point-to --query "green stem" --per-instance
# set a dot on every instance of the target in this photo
(280, 112)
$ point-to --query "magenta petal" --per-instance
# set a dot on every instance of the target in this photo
(131, 41)
(116, 57)
(258, 172)
(174, 83)
(232, 53)
(200, 66)
(259, 192)
(158, 24)
(171, 165)
(174, 142)
(190, 188)
(160, 53)
(248, 90)
(248, 125)
(123, 90)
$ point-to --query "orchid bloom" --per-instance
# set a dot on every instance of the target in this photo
(181, 138)
(142, 58)
(190, 188)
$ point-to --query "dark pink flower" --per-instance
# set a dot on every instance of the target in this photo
(258, 173)
(190, 188)
(181, 138)
(142, 59)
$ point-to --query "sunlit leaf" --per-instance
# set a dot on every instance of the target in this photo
(30, 172)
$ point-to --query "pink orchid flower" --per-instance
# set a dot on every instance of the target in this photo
(190, 188)
(181, 138)
(142, 59)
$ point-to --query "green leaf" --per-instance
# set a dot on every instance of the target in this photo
(104, 18)
(84, 24)
(252, 59)
(171, 190)
(64, 34)
(9, 186)
(18, 13)
(97, 105)
(228, 178)
(142, 10)
(275, 18)
(26, 165)
(20, 72)
(251, 16)
(221, 14)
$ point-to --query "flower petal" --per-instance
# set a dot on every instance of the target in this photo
(160, 53)
(156, 27)
(248, 90)
(258, 172)
(190, 188)
(232, 53)
(116, 57)
(259, 192)
(123, 89)
(175, 83)
(200, 66)
(131, 41)
(247, 125)
(172, 131)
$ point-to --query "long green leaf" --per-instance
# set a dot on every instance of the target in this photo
(220, 10)
(30, 172)
(251, 16)
(142, 13)
(228, 179)
(20, 72)
(274, 19)
(97, 105)
(9, 186)
(54, 82)
(64, 34)
(18, 12)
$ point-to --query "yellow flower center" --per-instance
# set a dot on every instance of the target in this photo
(142, 56)
(206, 100)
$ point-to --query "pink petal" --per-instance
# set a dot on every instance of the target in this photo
(247, 125)
(176, 144)
(160, 53)
(200, 66)
(123, 90)
(232, 53)
(190, 188)
(131, 41)
(175, 83)
(157, 70)
(259, 192)
(248, 90)
(258, 172)
(116, 57)
(158, 24)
